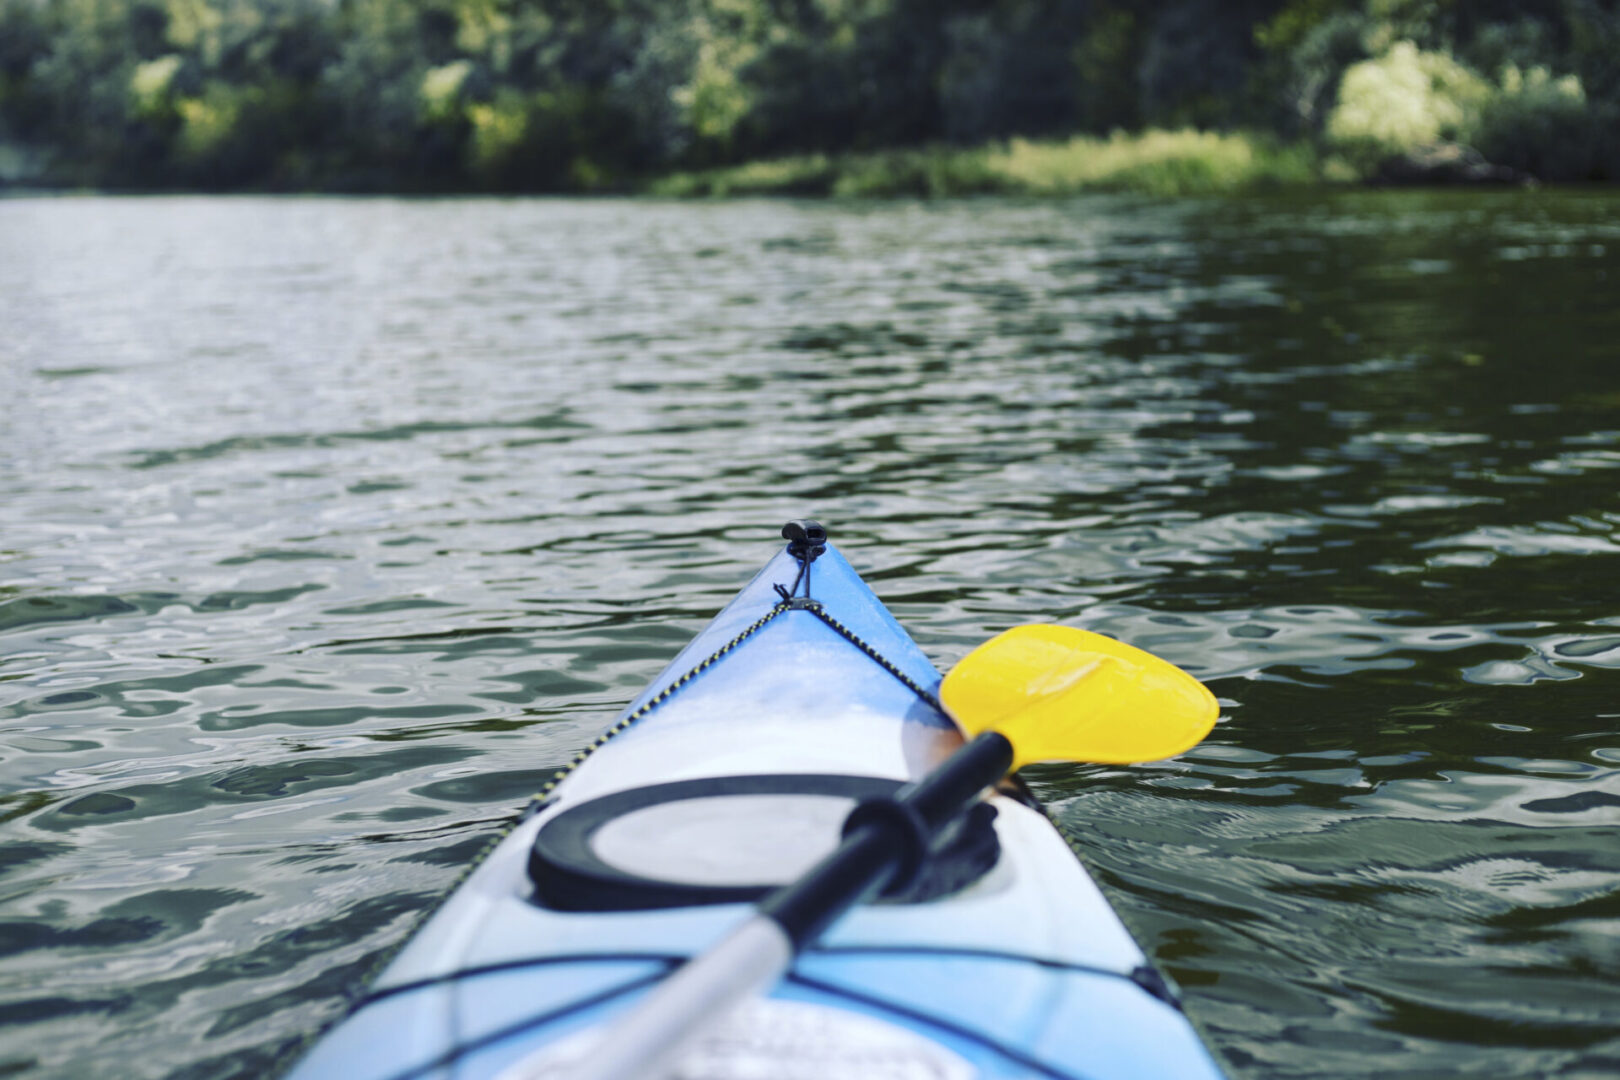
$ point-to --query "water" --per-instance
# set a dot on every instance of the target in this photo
(329, 528)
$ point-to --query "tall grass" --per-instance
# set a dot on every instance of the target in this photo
(1155, 163)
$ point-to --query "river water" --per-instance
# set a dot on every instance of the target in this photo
(329, 528)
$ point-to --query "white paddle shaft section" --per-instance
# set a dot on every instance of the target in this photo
(647, 1042)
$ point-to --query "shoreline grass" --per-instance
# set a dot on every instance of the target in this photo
(1154, 162)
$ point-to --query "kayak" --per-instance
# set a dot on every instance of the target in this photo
(730, 774)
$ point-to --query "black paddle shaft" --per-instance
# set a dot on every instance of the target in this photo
(883, 838)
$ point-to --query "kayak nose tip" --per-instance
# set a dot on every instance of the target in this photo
(805, 537)
(804, 530)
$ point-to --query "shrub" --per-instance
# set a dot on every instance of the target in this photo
(441, 92)
(1408, 104)
(151, 86)
(498, 131)
(1540, 125)
(1404, 100)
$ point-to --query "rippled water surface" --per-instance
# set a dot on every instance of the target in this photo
(329, 528)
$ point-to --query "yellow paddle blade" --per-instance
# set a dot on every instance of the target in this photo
(1062, 694)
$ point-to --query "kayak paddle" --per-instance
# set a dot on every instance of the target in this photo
(1033, 693)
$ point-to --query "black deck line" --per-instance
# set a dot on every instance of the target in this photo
(454, 1054)
(669, 960)
(672, 959)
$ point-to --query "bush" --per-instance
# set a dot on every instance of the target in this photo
(223, 138)
(1403, 100)
(1540, 125)
(1408, 105)
(498, 130)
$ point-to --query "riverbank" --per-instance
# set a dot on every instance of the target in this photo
(1154, 162)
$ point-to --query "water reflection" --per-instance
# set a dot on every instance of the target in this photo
(330, 527)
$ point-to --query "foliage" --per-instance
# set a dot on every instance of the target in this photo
(1528, 121)
(1541, 126)
(1309, 46)
(1405, 99)
(849, 96)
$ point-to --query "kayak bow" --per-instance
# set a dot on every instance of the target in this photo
(989, 953)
